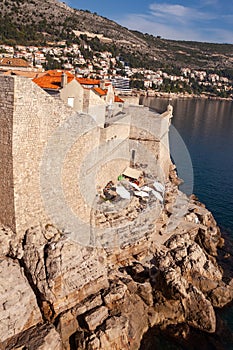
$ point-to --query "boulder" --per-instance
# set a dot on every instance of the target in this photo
(19, 310)
(96, 318)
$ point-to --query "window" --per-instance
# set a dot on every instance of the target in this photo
(71, 102)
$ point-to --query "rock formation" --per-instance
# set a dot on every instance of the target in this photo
(56, 294)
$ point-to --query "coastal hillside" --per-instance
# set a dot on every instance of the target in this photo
(42, 22)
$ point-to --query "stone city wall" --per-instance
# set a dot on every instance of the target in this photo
(53, 160)
(149, 131)
(7, 210)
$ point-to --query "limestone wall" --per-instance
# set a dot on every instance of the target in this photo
(7, 210)
(150, 131)
(53, 160)
(29, 116)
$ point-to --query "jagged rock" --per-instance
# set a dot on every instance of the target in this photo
(67, 325)
(144, 290)
(19, 310)
(94, 343)
(204, 284)
(175, 285)
(51, 341)
(165, 313)
(116, 334)
(199, 312)
(116, 293)
(9, 245)
(64, 272)
(96, 318)
(191, 258)
(88, 304)
(136, 312)
(40, 337)
(221, 296)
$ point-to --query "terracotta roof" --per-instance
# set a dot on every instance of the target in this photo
(100, 91)
(52, 79)
(118, 99)
(14, 62)
(58, 73)
(87, 81)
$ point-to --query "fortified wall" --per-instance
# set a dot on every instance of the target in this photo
(47, 149)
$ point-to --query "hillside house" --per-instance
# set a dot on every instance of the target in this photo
(7, 63)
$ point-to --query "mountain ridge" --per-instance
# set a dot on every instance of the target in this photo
(39, 22)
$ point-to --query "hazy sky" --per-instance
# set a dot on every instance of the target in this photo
(201, 20)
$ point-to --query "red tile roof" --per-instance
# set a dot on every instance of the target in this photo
(52, 79)
(100, 91)
(87, 81)
(118, 99)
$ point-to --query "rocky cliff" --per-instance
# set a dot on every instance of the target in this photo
(56, 294)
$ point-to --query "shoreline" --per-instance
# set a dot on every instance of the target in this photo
(182, 96)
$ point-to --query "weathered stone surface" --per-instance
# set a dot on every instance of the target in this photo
(116, 334)
(166, 312)
(19, 310)
(9, 244)
(67, 325)
(40, 337)
(51, 341)
(144, 290)
(199, 311)
(88, 304)
(64, 272)
(221, 295)
(116, 294)
(96, 318)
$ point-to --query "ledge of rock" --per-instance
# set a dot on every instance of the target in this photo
(56, 294)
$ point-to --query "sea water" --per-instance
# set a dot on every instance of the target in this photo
(206, 127)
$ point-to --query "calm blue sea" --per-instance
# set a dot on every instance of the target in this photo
(206, 127)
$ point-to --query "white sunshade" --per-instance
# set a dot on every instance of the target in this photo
(135, 186)
(123, 193)
(158, 196)
(158, 186)
(146, 188)
(141, 194)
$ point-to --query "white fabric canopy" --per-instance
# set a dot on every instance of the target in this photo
(146, 188)
(123, 193)
(158, 186)
(158, 196)
(135, 186)
(141, 194)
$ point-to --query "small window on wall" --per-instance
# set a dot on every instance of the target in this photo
(71, 101)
